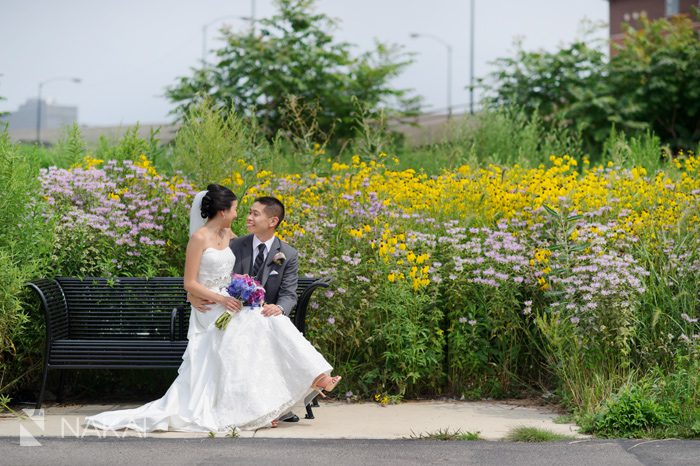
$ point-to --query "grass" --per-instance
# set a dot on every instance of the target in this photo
(232, 433)
(564, 419)
(445, 435)
(535, 434)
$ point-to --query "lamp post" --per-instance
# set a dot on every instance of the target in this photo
(416, 35)
(38, 101)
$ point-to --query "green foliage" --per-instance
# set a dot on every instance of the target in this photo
(387, 338)
(655, 77)
(535, 434)
(383, 339)
(508, 136)
(112, 221)
(130, 146)
(631, 412)
(23, 243)
(670, 300)
(564, 419)
(566, 87)
(505, 136)
(489, 341)
(213, 147)
(651, 83)
(294, 56)
(581, 346)
(644, 150)
(445, 435)
(410, 343)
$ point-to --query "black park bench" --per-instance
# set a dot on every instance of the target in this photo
(124, 323)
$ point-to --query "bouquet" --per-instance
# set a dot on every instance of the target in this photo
(245, 289)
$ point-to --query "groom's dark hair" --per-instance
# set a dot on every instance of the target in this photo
(273, 207)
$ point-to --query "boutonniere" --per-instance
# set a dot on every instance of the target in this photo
(279, 258)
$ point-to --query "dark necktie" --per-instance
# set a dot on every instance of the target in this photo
(257, 266)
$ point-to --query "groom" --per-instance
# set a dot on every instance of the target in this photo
(264, 257)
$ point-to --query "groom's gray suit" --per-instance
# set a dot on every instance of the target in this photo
(279, 280)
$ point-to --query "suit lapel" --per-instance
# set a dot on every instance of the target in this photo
(246, 254)
(276, 245)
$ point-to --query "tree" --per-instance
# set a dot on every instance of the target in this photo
(652, 83)
(294, 58)
(655, 75)
(566, 87)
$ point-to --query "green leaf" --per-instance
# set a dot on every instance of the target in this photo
(580, 247)
(551, 211)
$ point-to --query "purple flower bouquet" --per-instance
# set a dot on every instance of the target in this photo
(245, 289)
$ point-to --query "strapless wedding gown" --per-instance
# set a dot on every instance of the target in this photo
(244, 376)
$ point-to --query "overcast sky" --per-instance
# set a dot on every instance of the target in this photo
(127, 51)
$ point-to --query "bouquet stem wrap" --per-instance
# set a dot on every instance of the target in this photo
(248, 291)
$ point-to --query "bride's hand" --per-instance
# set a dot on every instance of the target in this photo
(232, 304)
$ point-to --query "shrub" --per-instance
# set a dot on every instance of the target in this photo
(24, 238)
(632, 412)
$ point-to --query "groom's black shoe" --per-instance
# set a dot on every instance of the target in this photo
(292, 418)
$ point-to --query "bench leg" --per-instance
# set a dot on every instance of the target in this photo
(40, 400)
(61, 380)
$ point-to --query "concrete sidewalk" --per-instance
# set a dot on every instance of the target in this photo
(334, 420)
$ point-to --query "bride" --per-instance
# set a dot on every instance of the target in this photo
(244, 376)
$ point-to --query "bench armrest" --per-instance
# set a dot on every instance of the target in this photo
(303, 302)
(55, 308)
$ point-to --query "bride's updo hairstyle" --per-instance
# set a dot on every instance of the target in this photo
(218, 198)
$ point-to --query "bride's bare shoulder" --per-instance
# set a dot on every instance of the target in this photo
(199, 237)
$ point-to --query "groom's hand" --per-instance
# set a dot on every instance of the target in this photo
(202, 305)
(270, 310)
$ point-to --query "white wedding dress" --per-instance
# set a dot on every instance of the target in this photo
(245, 376)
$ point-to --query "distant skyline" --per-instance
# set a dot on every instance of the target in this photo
(126, 52)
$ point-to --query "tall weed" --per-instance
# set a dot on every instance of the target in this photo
(24, 240)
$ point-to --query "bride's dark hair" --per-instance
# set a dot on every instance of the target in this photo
(218, 198)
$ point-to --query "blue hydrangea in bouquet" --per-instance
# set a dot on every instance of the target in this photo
(247, 290)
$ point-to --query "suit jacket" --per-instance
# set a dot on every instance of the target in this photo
(280, 287)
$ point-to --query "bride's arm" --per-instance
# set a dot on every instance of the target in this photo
(193, 258)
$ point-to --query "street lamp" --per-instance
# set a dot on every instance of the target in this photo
(38, 102)
(415, 35)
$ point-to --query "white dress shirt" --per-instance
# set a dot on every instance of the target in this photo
(268, 246)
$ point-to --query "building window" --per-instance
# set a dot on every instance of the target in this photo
(672, 7)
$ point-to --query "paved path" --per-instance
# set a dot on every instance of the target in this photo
(339, 420)
(335, 452)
